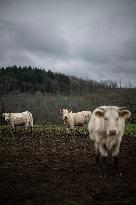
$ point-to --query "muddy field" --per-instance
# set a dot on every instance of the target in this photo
(47, 168)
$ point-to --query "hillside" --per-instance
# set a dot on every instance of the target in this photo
(27, 79)
(44, 93)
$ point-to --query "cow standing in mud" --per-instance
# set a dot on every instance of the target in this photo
(19, 119)
(75, 119)
(106, 128)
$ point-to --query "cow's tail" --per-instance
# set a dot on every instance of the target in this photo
(31, 120)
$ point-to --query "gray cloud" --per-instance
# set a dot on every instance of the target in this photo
(92, 39)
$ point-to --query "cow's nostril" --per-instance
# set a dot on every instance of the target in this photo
(112, 132)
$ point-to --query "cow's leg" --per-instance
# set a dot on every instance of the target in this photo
(117, 171)
(97, 160)
(104, 155)
(26, 126)
(66, 125)
(103, 171)
(72, 125)
(31, 128)
(115, 155)
(13, 130)
(14, 127)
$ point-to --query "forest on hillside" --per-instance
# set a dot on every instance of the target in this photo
(15, 79)
(44, 93)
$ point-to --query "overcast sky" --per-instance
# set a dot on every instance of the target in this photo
(91, 39)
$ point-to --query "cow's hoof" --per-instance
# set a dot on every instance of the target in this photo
(102, 174)
(117, 174)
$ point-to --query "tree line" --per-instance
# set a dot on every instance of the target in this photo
(15, 79)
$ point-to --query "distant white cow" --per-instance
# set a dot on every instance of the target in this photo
(106, 128)
(19, 119)
(87, 114)
(72, 119)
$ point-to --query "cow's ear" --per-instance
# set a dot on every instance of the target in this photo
(125, 114)
(60, 111)
(3, 115)
(99, 113)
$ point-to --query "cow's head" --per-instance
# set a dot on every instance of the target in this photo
(113, 118)
(65, 113)
(87, 115)
(6, 116)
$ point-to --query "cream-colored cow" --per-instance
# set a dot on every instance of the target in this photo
(72, 119)
(106, 128)
(19, 119)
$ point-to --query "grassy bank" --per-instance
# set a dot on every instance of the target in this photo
(130, 129)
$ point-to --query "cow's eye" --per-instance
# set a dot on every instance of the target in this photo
(106, 118)
(117, 118)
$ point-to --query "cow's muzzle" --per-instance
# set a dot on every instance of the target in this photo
(112, 132)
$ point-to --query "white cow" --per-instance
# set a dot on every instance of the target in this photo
(106, 128)
(71, 119)
(88, 115)
(19, 119)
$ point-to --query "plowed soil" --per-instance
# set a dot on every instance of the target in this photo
(38, 168)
